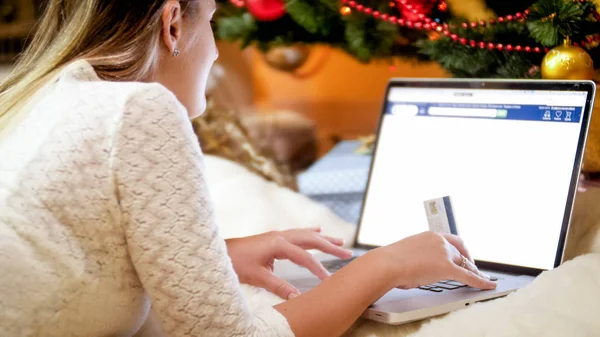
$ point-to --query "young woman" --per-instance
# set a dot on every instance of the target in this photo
(103, 203)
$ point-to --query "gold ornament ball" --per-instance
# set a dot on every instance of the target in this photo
(345, 10)
(567, 62)
(287, 58)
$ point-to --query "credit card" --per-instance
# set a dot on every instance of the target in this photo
(440, 215)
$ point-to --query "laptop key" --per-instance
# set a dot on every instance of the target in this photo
(446, 286)
(455, 283)
(436, 290)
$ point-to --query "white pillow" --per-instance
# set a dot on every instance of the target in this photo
(247, 204)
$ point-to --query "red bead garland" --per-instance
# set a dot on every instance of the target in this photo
(426, 23)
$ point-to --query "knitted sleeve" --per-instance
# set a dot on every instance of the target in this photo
(168, 222)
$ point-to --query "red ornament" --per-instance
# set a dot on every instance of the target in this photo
(473, 43)
(482, 23)
(463, 40)
(482, 45)
(527, 49)
(509, 47)
(473, 24)
(518, 48)
(491, 46)
(415, 10)
(500, 46)
(266, 10)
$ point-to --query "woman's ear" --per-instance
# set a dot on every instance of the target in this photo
(172, 25)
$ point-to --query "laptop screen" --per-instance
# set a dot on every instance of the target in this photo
(505, 157)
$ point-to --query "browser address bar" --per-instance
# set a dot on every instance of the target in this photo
(467, 112)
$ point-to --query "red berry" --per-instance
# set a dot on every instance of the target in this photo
(509, 17)
(509, 47)
(481, 45)
(518, 48)
(500, 19)
(500, 47)
(465, 25)
(537, 50)
(463, 40)
(473, 43)
(527, 49)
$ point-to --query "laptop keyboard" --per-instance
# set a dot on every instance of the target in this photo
(334, 265)
(438, 287)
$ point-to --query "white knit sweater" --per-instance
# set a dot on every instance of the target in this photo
(104, 211)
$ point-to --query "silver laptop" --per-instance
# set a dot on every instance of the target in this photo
(508, 153)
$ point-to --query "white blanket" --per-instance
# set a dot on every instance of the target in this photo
(562, 302)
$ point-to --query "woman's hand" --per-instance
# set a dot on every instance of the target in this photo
(431, 257)
(253, 257)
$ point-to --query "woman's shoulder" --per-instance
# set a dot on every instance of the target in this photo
(80, 80)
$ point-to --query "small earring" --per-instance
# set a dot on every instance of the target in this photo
(176, 52)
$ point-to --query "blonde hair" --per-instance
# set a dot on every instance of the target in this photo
(120, 39)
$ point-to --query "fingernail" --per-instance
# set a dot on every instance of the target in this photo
(292, 295)
(485, 275)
